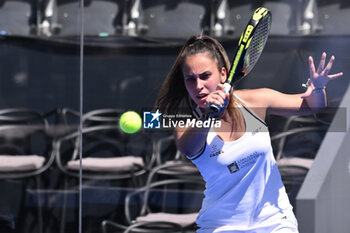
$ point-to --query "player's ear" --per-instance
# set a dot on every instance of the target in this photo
(223, 75)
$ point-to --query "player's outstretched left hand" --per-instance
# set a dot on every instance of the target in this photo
(320, 77)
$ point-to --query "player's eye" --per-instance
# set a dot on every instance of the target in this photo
(190, 78)
(205, 75)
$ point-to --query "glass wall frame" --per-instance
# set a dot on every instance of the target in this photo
(70, 68)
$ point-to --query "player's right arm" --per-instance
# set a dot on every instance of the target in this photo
(190, 141)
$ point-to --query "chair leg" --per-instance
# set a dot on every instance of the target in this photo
(137, 182)
(40, 204)
(119, 227)
(64, 206)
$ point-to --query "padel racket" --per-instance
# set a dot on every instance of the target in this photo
(250, 47)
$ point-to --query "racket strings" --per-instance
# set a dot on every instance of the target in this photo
(257, 44)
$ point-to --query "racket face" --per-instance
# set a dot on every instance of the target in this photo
(251, 45)
(257, 44)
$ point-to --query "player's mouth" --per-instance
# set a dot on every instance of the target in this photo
(201, 96)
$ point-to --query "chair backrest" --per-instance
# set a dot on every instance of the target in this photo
(24, 136)
(304, 133)
(101, 17)
(18, 17)
(102, 116)
(166, 150)
(173, 18)
(22, 116)
(100, 143)
(71, 118)
(96, 141)
(25, 129)
(138, 144)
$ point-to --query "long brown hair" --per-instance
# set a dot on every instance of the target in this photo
(173, 97)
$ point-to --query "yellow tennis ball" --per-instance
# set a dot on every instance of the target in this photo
(130, 122)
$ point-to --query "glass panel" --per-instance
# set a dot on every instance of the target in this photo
(124, 72)
(129, 47)
(40, 79)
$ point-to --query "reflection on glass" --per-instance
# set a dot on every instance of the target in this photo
(40, 77)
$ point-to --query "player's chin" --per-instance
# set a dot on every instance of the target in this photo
(201, 103)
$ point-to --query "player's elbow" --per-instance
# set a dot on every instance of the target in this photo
(317, 107)
(315, 110)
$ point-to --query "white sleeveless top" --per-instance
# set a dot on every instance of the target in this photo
(244, 191)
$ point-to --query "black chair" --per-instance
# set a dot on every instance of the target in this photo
(25, 152)
(104, 151)
(19, 127)
(101, 17)
(19, 17)
(169, 19)
(102, 126)
(163, 206)
(72, 120)
(110, 158)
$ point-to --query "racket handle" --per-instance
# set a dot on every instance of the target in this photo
(217, 110)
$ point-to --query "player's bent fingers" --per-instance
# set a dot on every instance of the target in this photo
(221, 94)
(219, 99)
(218, 95)
(221, 87)
(215, 99)
(214, 102)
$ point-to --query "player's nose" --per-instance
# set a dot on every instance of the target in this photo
(199, 83)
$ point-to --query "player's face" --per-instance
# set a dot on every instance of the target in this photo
(201, 76)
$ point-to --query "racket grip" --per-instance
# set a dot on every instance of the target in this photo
(217, 110)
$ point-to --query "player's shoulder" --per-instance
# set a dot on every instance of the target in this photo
(255, 99)
(253, 95)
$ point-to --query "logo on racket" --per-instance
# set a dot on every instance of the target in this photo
(151, 120)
